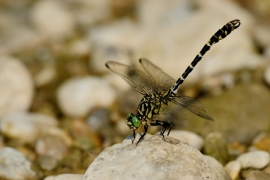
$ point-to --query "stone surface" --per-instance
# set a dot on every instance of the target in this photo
(233, 169)
(262, 141)
(26, 127)
(218, 169)
(216, 145)
(152, 158)
(77, 96)
(65, 177)
(16, 86)
(267, 74)
(14, 165)
(52, 19)
(253, 98)
(254, 159)
(258, 175)
(16, 36)
(188, 137)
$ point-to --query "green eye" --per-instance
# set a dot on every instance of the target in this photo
(128, 116)
(136, 123)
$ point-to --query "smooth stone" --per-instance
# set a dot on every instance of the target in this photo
(16, 37)
(216, 145)
(77, 96)
(52, 19)
(16, 86)
(51, 146)
(47, 163)
(227, 117)
(188, 137)
(14, 165)
(154, 157)
(65, 177)
(26, 127)
(112, 42)
(88, 13)
(258, 175)
(254, 159)
(262, 141)
(218, 169)
(267, 74)
(233, 169)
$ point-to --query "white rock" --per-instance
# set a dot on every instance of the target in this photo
(26, 127)
(16, 36)
(16, 86)
(65, 177)
(233, 169)
(254, 159)
(78, 96)
(45, 76)
(267, 74)
(153, 13)
(90, 12)
(113, 42)
(14, 165)
(188, 137)
(152, 158)
(218, 169)
(258, 175)
(52, 19)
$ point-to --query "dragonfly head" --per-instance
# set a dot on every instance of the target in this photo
(133, 122)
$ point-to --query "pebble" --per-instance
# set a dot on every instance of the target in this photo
(16, 86)
(79, 95)
(217, 168)
(267, 74)
(114, 42)
(47, 163)
(233, 169)
(52, 19)
(88, 13)
(14, 165)
(65, 177)
(258, 175)
(15, 35)
(254, 159)
(188, 137)
(26, 127)
(51, 146)
(216, 145)
(154, 157)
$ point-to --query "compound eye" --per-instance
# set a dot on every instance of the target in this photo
(136, 123)
(128, 116)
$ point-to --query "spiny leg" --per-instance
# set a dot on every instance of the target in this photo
(145, 131)
(134, 136)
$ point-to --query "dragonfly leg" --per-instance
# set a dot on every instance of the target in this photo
(145, 131)
(163, 125)
(134, 136)
(170, 128)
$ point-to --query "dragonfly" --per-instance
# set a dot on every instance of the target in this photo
(159, 90)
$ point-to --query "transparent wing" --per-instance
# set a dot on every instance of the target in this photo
(163, 81)
(193, 106)
(136, 78)
(174, 114)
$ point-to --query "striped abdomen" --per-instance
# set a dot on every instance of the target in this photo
(219, 35)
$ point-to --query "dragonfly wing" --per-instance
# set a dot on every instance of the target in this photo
(163, 82)
(193, 106)
(136, 78)
(174, 114)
